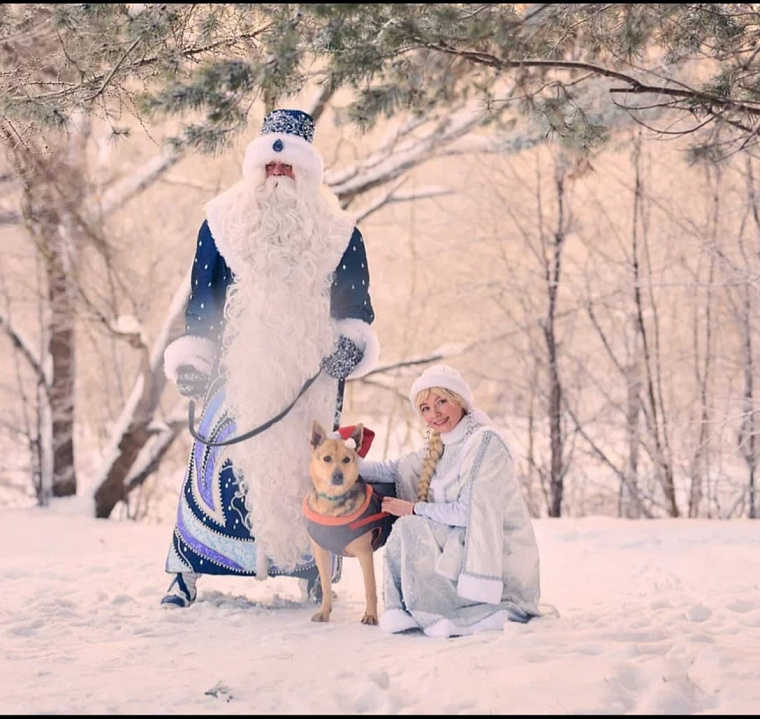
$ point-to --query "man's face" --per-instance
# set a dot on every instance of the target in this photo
(279, 169)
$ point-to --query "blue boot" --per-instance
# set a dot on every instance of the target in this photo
(182, 591)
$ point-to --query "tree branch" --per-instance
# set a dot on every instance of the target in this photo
(635, 86)
(24, 348)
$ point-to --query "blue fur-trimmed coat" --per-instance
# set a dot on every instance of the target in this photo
(213, 533)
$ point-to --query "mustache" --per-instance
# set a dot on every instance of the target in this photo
(278, 188)
(280, 181)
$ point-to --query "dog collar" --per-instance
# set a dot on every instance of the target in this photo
(310, 514)
(330, 497)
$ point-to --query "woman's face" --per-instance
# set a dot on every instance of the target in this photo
(440, 412)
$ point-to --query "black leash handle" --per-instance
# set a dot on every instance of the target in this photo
(258, 430)
(339, 404)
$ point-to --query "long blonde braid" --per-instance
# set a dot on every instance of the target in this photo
(433, 452)
(433, 442)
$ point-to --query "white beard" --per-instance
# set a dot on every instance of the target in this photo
(283, 244)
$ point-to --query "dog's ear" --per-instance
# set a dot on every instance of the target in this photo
(357, 435)
(318, 434)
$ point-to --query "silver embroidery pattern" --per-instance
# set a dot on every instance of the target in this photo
(289, 122)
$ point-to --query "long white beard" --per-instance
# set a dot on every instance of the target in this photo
(286, 245)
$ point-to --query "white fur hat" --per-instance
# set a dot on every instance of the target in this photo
(441, 375)
(287, 137)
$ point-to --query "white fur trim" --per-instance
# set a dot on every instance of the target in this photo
(364, 337)
(295, 151)
(216, 208)
(440, 375)
(189, 349)
(479, 589)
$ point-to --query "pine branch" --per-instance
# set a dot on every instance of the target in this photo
(635, 86)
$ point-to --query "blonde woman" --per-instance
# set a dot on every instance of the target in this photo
(462, 557)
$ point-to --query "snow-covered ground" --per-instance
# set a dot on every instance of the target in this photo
(656, 617)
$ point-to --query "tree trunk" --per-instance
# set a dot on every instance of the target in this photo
(553, 274)
(629, 504)
(748, 432)
(113, 490)
(146, 394)
(651, 357)
(42, 215)
(61, 346)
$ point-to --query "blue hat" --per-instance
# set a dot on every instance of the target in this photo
(290, 122)
(286, 136)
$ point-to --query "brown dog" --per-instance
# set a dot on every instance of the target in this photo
(344, 515)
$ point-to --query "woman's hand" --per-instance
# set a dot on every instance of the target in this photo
(397, 507)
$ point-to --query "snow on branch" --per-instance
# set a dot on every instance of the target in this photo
(402, 152)
(319, 104)
(494, 144)
(149, 458)
(441, 353)
(123, 191)
(174, 314)
(393, 197)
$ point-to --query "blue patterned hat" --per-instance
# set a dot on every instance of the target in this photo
(290, 122)
(287, 136)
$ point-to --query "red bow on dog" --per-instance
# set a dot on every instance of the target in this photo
(367, 436)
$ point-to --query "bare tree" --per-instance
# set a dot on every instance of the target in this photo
(529, 295)
(552, 249)
(748, 430)
(51, 209)
(702, 328)
(62, 220)
(649, 331)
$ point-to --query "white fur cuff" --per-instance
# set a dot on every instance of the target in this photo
(198, 352)
(479, 589)
(361, 334)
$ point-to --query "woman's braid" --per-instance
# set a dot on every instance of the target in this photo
(434, 450)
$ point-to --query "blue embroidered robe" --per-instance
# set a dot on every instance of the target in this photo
(211, 534)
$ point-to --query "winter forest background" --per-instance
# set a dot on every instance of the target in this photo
(591, 268)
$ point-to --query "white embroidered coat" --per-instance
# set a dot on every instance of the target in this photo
(448, 579)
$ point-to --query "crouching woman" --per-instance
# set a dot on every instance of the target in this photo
(462, 557)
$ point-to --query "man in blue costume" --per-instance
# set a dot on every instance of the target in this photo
(280, 294)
